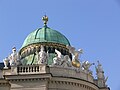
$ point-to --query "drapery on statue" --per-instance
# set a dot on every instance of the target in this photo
(100, 74)
(86, 66)
(58, 58)
(75, 55)
(61, 60)
(66, 62)
(42, 56)
(13, 57)
(99, 70)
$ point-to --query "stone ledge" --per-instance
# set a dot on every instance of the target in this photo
(68, 72)
(43, 69)
(28, 77)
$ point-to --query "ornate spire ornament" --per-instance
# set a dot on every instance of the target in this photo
(45, 19)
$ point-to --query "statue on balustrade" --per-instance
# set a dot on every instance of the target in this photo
(42, 56)
(66, 62)
(58, 58)
(100, 75)
(75, 56)
(86, 67)
(99, 70)
(6, 61)
(14, 58)
(61, 60)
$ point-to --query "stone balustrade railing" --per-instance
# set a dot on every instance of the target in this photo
(31, 69)
(55, 71)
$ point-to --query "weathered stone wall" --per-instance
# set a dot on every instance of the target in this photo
(29, 85)
(4, 85)
(59, 83)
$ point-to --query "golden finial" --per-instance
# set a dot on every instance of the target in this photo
(45, 19)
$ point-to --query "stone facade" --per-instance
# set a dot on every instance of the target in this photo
(4, 84)
(43, 77)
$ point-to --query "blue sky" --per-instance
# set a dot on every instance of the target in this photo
(93, 25)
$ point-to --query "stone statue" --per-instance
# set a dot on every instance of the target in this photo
(99, 70)
(42, 56)
(100, 75)
(66, 62)
(86, 65)
(6, 61)
(18, 59)
(75, 56)
(75, 53)
(58, 58)
(13, 57)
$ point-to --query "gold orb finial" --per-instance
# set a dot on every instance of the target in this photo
(45, 19)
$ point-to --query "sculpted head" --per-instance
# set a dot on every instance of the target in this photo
(42, 48)
(14, 49)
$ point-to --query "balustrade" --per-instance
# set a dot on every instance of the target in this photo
(30, 69)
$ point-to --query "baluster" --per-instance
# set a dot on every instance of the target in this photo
(21, 69)
(37, 68)
(29, 69)
(40, 68)
(17, 69)
(32, 69)
(26, 69)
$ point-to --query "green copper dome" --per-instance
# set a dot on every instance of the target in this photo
(48, 38)
(45, 34)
